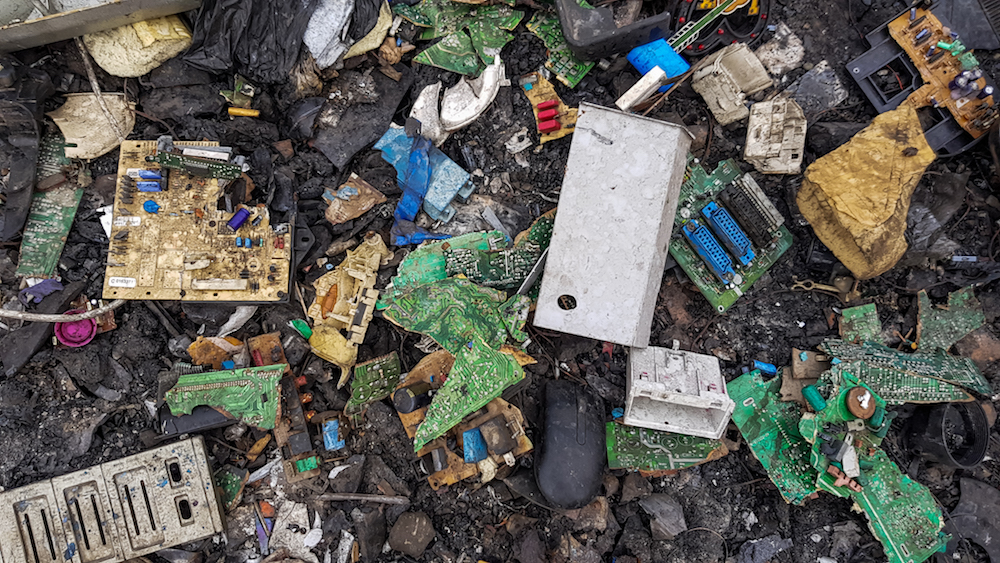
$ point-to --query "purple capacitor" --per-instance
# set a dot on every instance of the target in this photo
(985, 93)
(240, 217)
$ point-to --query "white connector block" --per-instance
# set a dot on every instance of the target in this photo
(115, 511)
(643, 89)
(676, 391)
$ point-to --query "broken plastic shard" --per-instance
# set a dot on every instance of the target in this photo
(447, 179)
(464, 102)
(345, 301)
(726, 78)
(426, 110)
(942, 327)
(247, 394)
(776, 137)
(351, 200)
(83, 123)
(783, 53)
(864, 227)
(326, 35)
(818, 90)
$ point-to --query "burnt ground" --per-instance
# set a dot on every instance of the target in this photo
(70, 409)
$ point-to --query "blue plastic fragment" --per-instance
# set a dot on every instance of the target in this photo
(331, 435)
(835, 361)
(474, 446)
(803, 357)
(765, 367)
(150, 206)
(228, 364)
(447, 179)
(658, 53)
(617, 412)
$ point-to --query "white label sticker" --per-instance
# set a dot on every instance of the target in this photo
(133, 172)
(128, 221)
(121, 282)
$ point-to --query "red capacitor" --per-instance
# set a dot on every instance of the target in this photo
(549, 126)
(547, 114)
(548, 104)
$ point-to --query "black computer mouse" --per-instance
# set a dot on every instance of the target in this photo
(572, 454)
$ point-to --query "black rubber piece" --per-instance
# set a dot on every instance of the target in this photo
(954, 434)
(572, 454)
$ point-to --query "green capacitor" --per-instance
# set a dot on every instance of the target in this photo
(812, 396)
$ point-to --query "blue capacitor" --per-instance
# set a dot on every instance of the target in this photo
(239, 241)
(151, 206)
(240, 217)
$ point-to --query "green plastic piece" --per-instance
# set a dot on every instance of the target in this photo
(248, 394)
(770, 427)
(567, 68)
(860, 324)
(307, 464)
(480, 374)
(901, 377)
(700, 188)
(373, 381)
(426, 264)
(51, 215)
(301, 327)
(505, 268)
(471, 34)
(968, 60)
(943, 327)
(813, 397)
(643, 449)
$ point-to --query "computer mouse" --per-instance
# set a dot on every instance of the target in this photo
(572, 454)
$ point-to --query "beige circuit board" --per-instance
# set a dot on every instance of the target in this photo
(185, 250)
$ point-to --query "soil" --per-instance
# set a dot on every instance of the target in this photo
(53, 418)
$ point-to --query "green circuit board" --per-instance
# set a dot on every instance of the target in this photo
(942, 327)
(505, 268)
(935, 364)
(643, 449)
(770, 427)
(197, 166)
(373, 381)
(898, 387)
(860, 324)
(902, 513)
(698, 190)
(567, 67)
(51, 215)
(248, 394)
(426, 263)
(453, 311)
(479, 375)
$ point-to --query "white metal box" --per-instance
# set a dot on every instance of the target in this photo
(115, 511)
(676, 391)
(612, 230)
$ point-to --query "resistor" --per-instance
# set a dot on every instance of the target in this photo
(240, 217)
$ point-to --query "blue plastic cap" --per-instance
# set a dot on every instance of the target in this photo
(658, 53)
(228, 364)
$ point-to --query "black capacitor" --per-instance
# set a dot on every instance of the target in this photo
(409, 399)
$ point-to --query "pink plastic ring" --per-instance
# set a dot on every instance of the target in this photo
(77, 333)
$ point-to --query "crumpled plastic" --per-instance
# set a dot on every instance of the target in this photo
(39, 291)
(260, 38)
(415, 186)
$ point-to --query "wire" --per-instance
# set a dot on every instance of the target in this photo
(44, 318)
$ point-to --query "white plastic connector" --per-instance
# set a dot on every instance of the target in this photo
(676, 391)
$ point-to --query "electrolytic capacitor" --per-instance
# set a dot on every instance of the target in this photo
(240, 217)
(923, 33)
(409, 399)
(959, 81)
(985, 93)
